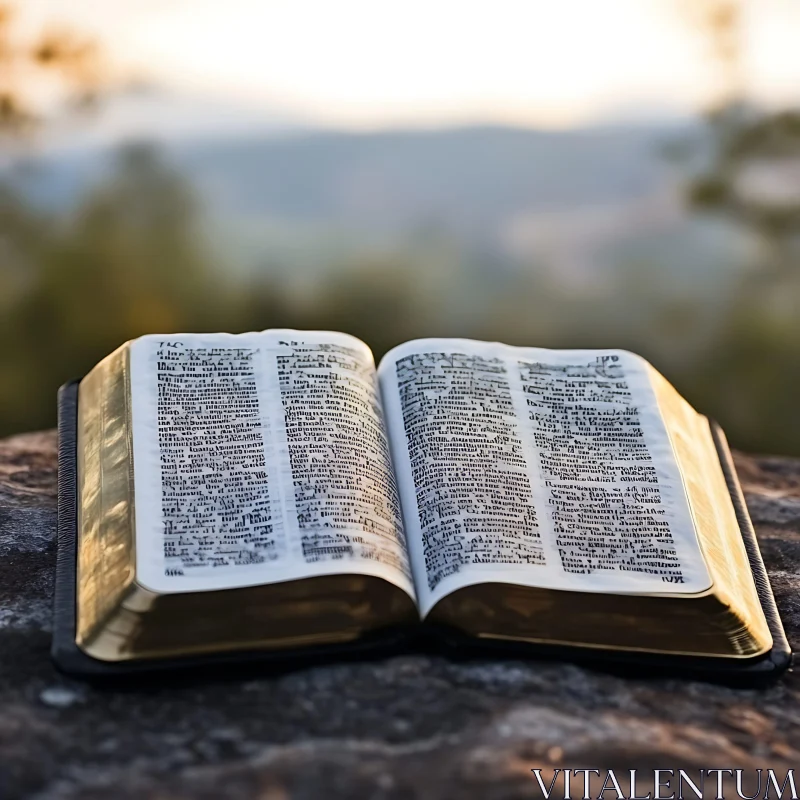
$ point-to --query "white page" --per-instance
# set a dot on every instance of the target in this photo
(259, 458)
(536, 467)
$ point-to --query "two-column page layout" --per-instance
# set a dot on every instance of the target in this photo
(268, 457)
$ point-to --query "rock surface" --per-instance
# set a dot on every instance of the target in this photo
(409, 726)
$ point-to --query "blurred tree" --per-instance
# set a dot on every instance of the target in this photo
(57, 55)
(129, 258)
(720, 23)
(747, 376)
(753, 174)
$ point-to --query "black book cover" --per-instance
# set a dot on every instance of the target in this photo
(71, 659)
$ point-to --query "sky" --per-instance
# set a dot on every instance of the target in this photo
(375, 63)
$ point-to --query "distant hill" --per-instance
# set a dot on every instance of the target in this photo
(461, 176)
(571, 201)
(467, 179)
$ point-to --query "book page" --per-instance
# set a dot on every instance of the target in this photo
(536, 467)
(258, 458)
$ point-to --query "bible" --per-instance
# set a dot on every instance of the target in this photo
(274, 495)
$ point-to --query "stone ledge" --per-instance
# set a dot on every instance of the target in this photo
(410, 726)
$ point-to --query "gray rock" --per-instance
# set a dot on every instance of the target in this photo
(409, 726)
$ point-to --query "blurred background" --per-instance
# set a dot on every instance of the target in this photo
(620, 173)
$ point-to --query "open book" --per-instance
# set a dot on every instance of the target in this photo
(276, 491)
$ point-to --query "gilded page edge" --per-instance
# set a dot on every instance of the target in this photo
(712, 509)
